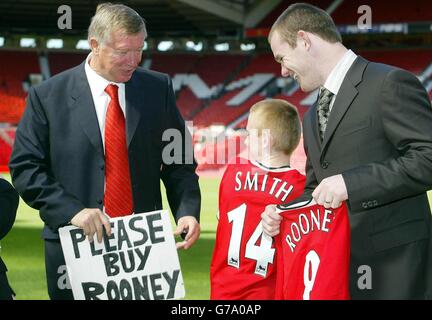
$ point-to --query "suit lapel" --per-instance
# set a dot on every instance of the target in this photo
(344, 99)
(134, 100)
(314, 123)
(84, 109)
(310, 132)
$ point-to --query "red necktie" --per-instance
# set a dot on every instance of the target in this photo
(118, 193)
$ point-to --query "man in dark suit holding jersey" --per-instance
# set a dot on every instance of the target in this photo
(368, 140)
(91, 143)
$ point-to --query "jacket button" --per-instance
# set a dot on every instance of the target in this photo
(102, 167)
(99, 201)
(364, 205)
(370, 204)
(324, 165)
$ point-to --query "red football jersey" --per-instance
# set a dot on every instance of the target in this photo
(244, 261)
(313, 252)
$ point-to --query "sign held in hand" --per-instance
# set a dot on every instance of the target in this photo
(138, 261)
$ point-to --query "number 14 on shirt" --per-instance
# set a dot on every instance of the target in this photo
(263, 253)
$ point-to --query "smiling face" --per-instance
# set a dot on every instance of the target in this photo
(119, 57)
(295, 62)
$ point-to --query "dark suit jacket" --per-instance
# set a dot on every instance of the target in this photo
(58, 164)
(8, 206)
(379, 137)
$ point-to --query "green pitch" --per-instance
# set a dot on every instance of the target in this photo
(24, 254)
(23, 250)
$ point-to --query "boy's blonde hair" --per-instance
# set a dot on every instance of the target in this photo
(283, 121)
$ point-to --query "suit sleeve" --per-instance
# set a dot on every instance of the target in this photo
(8, 206)
(406, 115)
(30, 168)
(179, 177)
(311, 180)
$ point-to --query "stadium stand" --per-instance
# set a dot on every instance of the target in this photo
(7, 136)
(218, 88)
(384, 11)
(272, 16)
(17, 66)
(241, 79)
(60, 61)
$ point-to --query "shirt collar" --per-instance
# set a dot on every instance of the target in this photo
(271, 169)
(337, 75)
(97, 82)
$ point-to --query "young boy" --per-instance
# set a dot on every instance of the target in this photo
(244, 261)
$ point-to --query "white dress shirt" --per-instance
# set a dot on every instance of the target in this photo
(101, 99)
(337, 75)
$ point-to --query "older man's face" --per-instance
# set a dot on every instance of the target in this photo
(119, 57)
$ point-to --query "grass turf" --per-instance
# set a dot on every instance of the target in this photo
(23, 250)
(24, 255)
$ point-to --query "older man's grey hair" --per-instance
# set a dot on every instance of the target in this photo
(111, 17)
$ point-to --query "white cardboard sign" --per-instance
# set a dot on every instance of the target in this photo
(138, 261)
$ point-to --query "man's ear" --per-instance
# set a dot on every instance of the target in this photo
(94, 45)
(267, 141)
(271, 141)
(303, 39)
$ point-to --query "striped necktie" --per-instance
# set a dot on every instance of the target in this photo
(323, 110)
(118, 190)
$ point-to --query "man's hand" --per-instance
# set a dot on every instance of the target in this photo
(271, 220)
(331, 192)
(92, 221)
(190, 225)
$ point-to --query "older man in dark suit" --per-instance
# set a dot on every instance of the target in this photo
(368, 140)
(8, 206)
(93, 139)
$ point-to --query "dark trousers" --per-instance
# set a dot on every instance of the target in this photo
(6, 292)
(57, 279)
(399, 273)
